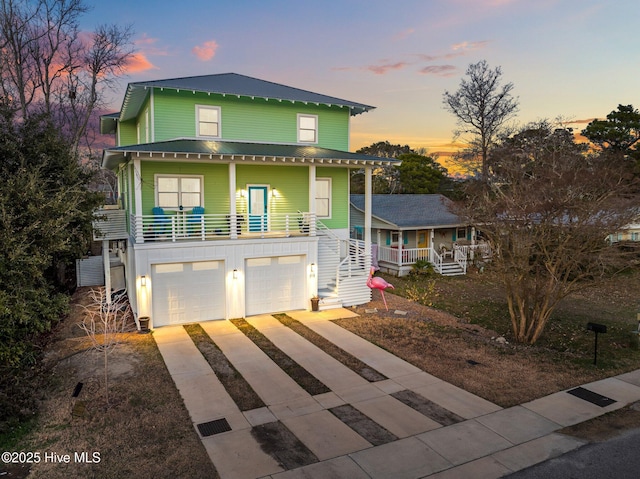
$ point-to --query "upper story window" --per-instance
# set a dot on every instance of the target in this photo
(208, 121)
(307, 128)
(174, 191)
(323, 197)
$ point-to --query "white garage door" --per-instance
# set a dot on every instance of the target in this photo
(275, 284)
(188, 292)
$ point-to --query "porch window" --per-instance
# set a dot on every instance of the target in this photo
(323, 197)
(307, 128)
(208, 121)
(172, 192)
(461, 234)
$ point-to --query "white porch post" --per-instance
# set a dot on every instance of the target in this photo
(312, 200)
(137, 198)
(473, 242)
(400, 244)
(233, 233)
(367, 210)
(107, 270)
(431, 243)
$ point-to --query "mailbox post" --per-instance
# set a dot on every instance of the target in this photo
(596, 328)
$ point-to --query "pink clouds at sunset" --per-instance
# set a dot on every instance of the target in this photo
(137, 63)
(206, 51)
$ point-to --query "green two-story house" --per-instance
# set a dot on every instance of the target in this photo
(234, 196)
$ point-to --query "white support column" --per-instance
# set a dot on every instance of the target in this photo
(137, 186)
(312, 200)
(107, 270)
(137, 200)
(367, 209)
(233, 219)
(431, 242)
(400, 244)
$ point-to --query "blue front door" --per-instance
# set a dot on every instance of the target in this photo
(258, 208)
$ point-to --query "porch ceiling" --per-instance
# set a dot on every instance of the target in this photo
(227, 151)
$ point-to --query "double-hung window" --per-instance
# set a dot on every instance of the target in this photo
(208, 121)
(323, 197)
(175, 191)
(307, 128)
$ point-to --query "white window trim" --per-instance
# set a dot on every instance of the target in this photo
(208, 107)
(329, 180)
(155, 180)
(315, 117)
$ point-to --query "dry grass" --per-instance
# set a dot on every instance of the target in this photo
(440, 347)
(146, 431)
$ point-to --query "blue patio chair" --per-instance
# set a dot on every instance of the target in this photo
(194, 220)
(161, 222)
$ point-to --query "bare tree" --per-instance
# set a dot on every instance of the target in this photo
(46, 62)
(105, 324)
(482, 107)
(547, 212)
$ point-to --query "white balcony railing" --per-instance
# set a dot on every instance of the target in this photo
(409, 255)
(207, 227)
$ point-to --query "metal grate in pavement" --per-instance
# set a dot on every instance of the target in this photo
(213, 427)
(590, 396)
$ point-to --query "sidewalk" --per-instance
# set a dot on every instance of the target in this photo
(486, 442)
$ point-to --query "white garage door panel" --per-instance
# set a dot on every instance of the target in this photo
(188, 292)
(275, 284)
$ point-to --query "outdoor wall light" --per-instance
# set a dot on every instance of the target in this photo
(274, 192)
(313, 267)
(143, 281)
(235, 274)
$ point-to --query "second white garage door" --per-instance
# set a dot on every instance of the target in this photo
(275, 284)
(188, 292)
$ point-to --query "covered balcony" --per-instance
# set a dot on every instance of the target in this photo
(192, 226)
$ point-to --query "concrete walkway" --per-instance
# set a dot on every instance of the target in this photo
(488, 443)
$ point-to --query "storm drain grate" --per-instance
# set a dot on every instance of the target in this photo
(590, 396)
(213, 427)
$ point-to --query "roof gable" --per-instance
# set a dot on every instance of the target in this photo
(231, 84)
(411, 211)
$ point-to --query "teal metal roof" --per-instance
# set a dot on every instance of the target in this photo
(226, 151)
(231, 84)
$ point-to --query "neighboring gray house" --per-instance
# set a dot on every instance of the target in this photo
(406, 228)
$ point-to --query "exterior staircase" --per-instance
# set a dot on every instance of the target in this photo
(451, 269)
(342, 272)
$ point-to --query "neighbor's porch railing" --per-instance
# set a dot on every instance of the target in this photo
(207, 227)
(409, 255)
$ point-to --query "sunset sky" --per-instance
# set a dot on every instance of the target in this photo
(577, 59)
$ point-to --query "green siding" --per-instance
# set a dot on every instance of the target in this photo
(291, 184)
(128, 133)
(216, 184)
(247, 120)
(339, 196)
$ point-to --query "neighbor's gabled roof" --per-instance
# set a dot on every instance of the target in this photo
(231, 84)
(250, 153)
(411, 211)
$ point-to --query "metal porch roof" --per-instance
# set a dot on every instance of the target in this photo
(226, 151)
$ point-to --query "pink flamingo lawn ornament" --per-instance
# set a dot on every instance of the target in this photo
(380, 284)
